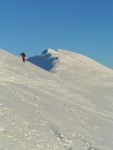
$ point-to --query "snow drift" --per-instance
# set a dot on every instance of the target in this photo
(69, 109)
(47, 60)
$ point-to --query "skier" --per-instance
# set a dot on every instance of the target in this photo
(23, 56)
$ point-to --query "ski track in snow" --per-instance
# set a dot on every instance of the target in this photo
(24, 128)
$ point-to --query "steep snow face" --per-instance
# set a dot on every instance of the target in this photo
(53, 111)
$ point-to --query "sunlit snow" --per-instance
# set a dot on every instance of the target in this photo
(65, 104)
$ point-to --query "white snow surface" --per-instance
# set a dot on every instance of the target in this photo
(68, 108)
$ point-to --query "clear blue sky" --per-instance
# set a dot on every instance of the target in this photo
(82, 26)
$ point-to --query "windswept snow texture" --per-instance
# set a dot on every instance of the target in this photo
(69, 109)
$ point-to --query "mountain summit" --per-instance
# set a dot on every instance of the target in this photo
(68, 109)
(60, 60)
(72, 67)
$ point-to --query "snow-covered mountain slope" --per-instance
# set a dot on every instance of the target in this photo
(53, 111)
(75, 69)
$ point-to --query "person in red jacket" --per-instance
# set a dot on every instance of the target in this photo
(23, 56)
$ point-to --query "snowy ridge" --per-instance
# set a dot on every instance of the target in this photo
(53, 111)
(50, 59)
(73, 67)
